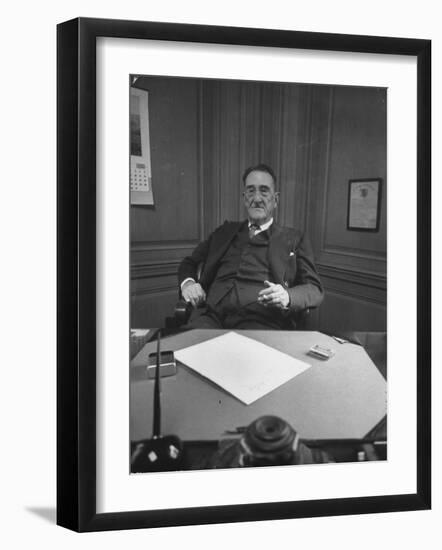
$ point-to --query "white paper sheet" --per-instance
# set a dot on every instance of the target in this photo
(242, 366)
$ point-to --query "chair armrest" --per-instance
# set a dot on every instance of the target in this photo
(182, 311)
(300, 319)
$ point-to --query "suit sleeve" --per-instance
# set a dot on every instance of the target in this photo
(189, 265)
(307, 292)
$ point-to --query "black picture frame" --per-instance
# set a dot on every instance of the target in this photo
(358, 215)
(77, 288)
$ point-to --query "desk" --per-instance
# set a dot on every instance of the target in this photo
(344, 397)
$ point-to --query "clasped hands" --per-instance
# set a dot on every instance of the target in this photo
(194, 293)
(274, 295)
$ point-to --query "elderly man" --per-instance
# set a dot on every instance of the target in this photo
(256, 274)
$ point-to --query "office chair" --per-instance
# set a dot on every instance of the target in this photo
(182, 309)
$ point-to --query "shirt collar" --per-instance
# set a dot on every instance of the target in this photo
(264, 226)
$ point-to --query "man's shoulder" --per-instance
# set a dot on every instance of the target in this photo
(289, 232)
(228, 223)
(228, 226)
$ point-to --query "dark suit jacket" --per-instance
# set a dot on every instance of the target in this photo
(290, 260)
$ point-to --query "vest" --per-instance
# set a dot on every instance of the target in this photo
(244, 267)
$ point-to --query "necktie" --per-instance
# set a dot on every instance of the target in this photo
(254, 227)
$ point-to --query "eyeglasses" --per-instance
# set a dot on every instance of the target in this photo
(263, 191)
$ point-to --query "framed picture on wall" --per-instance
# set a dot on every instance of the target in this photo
(99, 234)
(364, 204)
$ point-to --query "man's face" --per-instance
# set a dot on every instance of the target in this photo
(260, 197)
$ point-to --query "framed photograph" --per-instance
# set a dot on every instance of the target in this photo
(364, 204)
(311, 112)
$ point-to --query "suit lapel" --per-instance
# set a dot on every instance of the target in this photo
(278, 253)
(222, 242)
(227, 237)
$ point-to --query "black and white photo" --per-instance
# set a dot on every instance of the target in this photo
(244, 272)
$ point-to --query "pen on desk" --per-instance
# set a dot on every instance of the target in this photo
(340, 340)
(344, 340)
(237, 430)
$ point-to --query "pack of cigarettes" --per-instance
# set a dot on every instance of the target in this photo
(321, 352)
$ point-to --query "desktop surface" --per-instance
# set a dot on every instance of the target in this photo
(343, 397)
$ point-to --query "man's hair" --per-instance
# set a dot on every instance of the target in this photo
(260, 168)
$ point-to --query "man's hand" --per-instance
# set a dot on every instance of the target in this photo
(194, 293)
(274, 295)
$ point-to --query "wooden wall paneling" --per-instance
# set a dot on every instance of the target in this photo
(251, 115)
(347, 141)
(318, 160)
(173, 122)
(358, 150)
(163, 234)
(357, 260)
(294, 133)
(150, 309)
(342, 313)
(288, 182)
(210, 153)
(354, 300)
(229, 143)
(349, 135)
(271, 125)
(200, 161)
(329, 180)
(302, 158)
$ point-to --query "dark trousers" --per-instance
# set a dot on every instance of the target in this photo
(229, 314)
